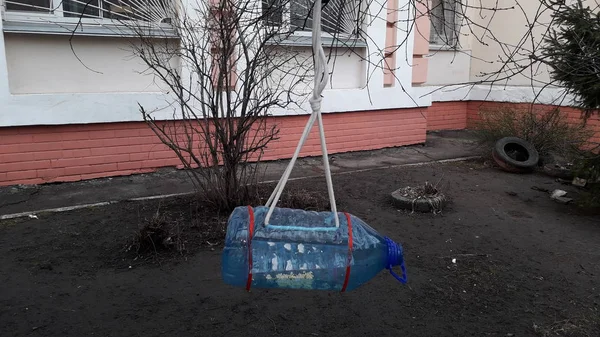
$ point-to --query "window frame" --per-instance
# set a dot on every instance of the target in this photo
(338, 40)
(19, 21)
(441, 45)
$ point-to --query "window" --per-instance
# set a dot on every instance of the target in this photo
(339, 17)
(156, 11)
(444, 30)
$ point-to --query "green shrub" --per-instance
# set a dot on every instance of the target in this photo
(570, 49)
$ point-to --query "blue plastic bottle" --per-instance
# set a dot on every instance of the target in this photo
(304, 250)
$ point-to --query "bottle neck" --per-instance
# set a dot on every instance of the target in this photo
(395, 257)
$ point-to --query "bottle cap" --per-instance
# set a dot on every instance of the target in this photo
(395, 258)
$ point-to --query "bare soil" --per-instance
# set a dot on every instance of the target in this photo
(503, 260)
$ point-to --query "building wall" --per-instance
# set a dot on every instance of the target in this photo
(488, 38)
(574, 115)
(510, 26)
(448, 67)
(447, 116)
(41, 154)
(346, 65)
(43, 83)
(45, 64)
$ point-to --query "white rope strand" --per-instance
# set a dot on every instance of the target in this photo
(320, 82)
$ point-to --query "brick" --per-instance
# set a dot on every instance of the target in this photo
(50, 174)
(71, 178)
(103, 134)
(127, 133)
(70, 162)
(9, 131)
(24, 166)
(160, 163)
(6, 139)
(144, 140)
(77, 170)
(130, 165)
(104, 151)
(117, 158)
(88, 169)
(36, 147)
(104, 167)
(139, 156)
(127, 149)
(46, 155)
(147, 131)
(21, 175)
(80, 153)
(82, 144)
(34, 181)
(10, 148)
(162, 154)
(115, 142)
(15, 157)
(46, 137)
(78, 135)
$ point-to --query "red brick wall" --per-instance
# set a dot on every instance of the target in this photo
(573, 115)
(40, 154)
(447, 116)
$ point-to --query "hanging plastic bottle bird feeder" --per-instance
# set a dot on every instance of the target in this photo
(271, 247)
(305, 250)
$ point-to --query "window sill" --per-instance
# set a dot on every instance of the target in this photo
(306, 41)
(443, 47)
(84, 29)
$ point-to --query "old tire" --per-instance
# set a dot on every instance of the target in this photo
(424, 205)
(514, 154)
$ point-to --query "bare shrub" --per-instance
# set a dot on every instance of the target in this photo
(156, 234)
(223, 76)
(549, 131)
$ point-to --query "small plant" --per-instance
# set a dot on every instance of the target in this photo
(549, 131)
(156, 234)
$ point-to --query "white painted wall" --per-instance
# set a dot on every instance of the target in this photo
(509, 26)
(448, 67)
(42, 84)
(346, 67)
(43, 64)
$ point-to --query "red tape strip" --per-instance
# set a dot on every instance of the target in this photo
(250, 235)
(350, 244)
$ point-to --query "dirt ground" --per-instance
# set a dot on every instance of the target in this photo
(525, 266)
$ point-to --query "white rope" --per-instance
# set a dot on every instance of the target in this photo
(320, 82)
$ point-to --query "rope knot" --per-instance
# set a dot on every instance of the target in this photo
(315, 103)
